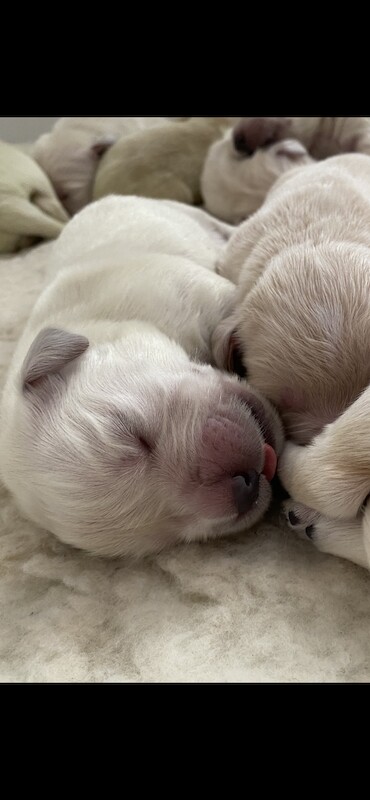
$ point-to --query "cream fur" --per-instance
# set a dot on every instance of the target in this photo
(165, 163)
(29, 208)
(71, 152)
(235, 183)
(260, 606)
(116, 433)
(302, 265)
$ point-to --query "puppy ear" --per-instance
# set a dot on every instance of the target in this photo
(49, 352)
(102, 145)
(226, 348)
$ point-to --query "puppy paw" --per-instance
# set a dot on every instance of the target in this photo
(301, 519)
(342, 538)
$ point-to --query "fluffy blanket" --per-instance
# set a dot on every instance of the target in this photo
(264, 607)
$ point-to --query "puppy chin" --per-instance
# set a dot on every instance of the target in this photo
(203, 529)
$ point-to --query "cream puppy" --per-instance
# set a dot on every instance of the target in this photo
(70, 153)
(117, 435)
(29, 208)
(163, 163)
(302, 322)
(237, 173)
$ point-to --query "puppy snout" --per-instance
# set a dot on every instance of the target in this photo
(245, 490)
(258, 132)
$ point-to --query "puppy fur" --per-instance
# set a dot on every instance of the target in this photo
(71, 152)
(302, 318)
(117, 434)
(237, 176)
(165, 163)
(29, 208)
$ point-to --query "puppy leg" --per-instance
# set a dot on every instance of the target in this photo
(50, 205)
(332, 474)
(316, 476)
(20, 216)
(341, 538)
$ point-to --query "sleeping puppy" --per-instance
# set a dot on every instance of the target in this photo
(117, 435)
(238, 173)
(29, 208)
(165, 163)
(70, 153)
(233, 187)
(302, 324)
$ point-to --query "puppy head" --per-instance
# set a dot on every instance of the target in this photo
(70, 158)
(300, 335)
(236, 178)
(126, 447)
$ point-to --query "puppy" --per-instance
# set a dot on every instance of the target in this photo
(117, 435)
(164, 163)
(238, 173)
(29, 208)
(70, 153)
(302, 324)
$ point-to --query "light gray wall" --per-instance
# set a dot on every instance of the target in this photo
(24, 129)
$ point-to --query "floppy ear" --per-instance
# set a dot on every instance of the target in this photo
(226, 348)
(49, 352)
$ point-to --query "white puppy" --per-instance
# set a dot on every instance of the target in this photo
(302, 321)
(29, 208)
(117, 435)
(71, 152)
(238, 173)
(165, 163)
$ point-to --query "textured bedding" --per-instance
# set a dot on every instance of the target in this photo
(262, 607)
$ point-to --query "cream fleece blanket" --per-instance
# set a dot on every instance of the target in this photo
(263, 607)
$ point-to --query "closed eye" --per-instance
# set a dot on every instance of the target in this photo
(129, 431)
(145, 444)
(235, 357)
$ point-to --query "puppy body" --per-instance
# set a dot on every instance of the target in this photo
(165, 163)
(116, 434)
(29, 208)
(302, 265)
(238, 174)
(70, 153)
(322, 136)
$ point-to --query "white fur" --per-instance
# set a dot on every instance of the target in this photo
(234, 187)
(234, 184)
(71, 152)
(220, 611)
(165, 163)
(29, 207)
(116, 434)
(302, 265)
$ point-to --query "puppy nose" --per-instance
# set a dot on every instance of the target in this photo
(245, 490)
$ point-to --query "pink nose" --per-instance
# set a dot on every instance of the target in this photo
(231, 461)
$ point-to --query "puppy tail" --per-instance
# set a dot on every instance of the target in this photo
(28, 218)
